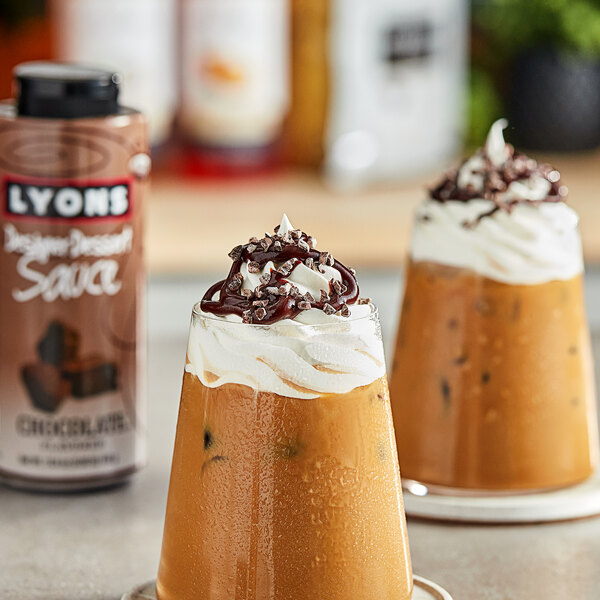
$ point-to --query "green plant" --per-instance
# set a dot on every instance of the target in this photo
(516, 25)
(484, 106)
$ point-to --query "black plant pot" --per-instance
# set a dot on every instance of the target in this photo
(554, 101)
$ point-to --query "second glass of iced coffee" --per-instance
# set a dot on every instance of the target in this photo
(492, 386)
(285, 481)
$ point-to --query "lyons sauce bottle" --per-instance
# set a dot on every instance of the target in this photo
(72, 170)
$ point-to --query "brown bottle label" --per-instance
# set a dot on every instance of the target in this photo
(71, 298)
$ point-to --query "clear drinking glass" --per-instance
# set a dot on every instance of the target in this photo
(492, 386)
(277, 497)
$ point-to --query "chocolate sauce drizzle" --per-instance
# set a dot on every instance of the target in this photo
(277, 298)
(496, 180)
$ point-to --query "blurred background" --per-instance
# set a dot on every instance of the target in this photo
(340, 112)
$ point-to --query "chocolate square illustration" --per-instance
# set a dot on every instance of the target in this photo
(90, 376)
(59, 344)
(45, 385)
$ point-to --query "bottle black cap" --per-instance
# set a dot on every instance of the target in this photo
(55, 90)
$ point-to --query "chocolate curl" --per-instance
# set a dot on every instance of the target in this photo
(279, 298)
(495, 183)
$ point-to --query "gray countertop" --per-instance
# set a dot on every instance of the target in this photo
(95, 546)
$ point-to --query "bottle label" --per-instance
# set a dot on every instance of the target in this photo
(71, 298)
(235, 71)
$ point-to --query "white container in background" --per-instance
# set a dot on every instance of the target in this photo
(136, 37)
(397, 88)
(234, 71)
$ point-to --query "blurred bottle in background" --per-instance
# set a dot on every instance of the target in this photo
(368, 91)
(135, 36)
(310, 82)
(392, 105)
(234, 83)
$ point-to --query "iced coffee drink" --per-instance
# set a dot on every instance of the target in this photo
(285, 481)
(492, 385)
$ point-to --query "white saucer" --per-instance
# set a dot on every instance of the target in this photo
(427, 590)
(423, 590)
(576, 502)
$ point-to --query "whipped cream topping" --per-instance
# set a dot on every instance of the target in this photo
(529, 245)
(323, 341)
(501, 215)
(287, 358)
(496, 148)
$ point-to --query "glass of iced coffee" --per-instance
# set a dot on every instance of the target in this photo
(492, 385)
(285, 480)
